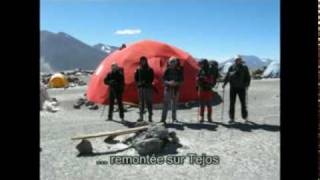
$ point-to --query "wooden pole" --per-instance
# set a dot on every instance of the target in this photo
(113, 133)
(130, 104)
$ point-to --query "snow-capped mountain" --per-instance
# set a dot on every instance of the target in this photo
(105, 48)
(60, 51)
(253, 62)
(225, 67)
(266, 60)
(272, 71)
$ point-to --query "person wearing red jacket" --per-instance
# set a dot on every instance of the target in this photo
(205, 82)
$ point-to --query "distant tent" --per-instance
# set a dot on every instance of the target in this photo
(57, 81)
(158, 54)
(272, 71)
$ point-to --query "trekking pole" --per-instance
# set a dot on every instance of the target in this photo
(104, 107)
(247, 99)
(222, 109)
(217, 86)
(145, 104)
(171, 95)
(198, 111)
(102, 113)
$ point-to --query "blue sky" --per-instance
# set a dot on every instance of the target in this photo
(214, 29)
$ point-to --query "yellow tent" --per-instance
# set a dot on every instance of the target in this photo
(57, 81)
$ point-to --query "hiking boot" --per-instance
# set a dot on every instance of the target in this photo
(150, 118)
(76, 106)
(201, 119)
(139, 120)
(231, 121)
(209, 119)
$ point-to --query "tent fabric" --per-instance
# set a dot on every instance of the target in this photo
(158, 54)
(57, 81)
(272, 71)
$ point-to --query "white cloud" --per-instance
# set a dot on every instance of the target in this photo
(128, 32)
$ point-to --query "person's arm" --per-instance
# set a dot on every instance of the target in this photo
(180, 76)
(198, 80)
(165, 78)
(107, 80)
(218, 75)
(247, 77)
(136, 76)
(152, 75)
(214, 79)
(122, 80)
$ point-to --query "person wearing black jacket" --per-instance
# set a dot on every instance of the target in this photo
(239, 77)
(144, 77)
(172, 79)
(115, 81)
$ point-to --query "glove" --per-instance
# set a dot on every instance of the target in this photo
(170, 83)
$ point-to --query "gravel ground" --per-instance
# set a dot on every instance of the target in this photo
(246, 151)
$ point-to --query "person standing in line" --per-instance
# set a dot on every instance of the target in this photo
(115, 81)
(144, 76)
(239, 78)
(172, 79)
(205, 84)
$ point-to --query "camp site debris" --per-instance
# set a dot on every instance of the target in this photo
(148, 139)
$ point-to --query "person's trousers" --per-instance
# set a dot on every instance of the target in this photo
(241, 92)
(205, 98)
(207, 104)
(145, 99)
(170, 98)
(118, 97)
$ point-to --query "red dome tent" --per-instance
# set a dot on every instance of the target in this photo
(128, 58)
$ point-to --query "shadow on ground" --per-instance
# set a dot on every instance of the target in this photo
(197, 126)
(180, 125)
(103, 153)
(125, 123)
(249, 126)
(168, 149)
